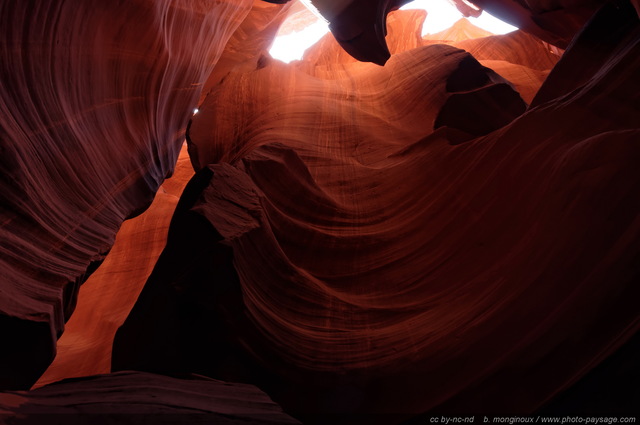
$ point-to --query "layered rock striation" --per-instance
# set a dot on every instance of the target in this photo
(372, 277)
(455, 232)
(95, 100)
(142, 398)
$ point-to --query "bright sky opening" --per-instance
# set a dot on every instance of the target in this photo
(440, 15)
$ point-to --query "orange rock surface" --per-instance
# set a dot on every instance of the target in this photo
(455, 232)
(95, 100)
(108, 294)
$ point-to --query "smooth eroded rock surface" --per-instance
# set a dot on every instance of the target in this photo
(348, 272)
(141, 398)
(453, 233)
(94, 102)
(109, 293)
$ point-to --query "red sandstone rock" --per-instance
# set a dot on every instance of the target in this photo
(387, 106)
(340, 252)
(136, 397)
(108, 294)
(554, 21)
(404, 28)
(298, 18)
(248, 45)
(94, 100)
(360, 26)
(349, 272)
(516, 47)
(461, 30)
(522, 59)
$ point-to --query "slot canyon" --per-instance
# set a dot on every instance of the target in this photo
(395, 227)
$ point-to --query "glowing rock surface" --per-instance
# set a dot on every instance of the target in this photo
(453, 232)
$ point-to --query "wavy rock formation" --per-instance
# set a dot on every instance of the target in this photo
(348, 272)
(453, 233)
(109, 293)
(136, 397)
(461, 30)
(93, 116)
(520, 58)
(404, 28)
(360, 26)
(349, 102)
(249, 43)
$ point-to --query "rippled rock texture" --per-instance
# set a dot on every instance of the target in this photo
(351, 272)
(454, 232)
(142, 398)
(95, 99)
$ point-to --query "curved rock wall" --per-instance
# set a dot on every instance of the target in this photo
(95, 99)
(351, 272)
(358, 240)
(138, 397)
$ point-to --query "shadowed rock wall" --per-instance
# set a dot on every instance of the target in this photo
(95, 99)
(371, 278)
(358, 240)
